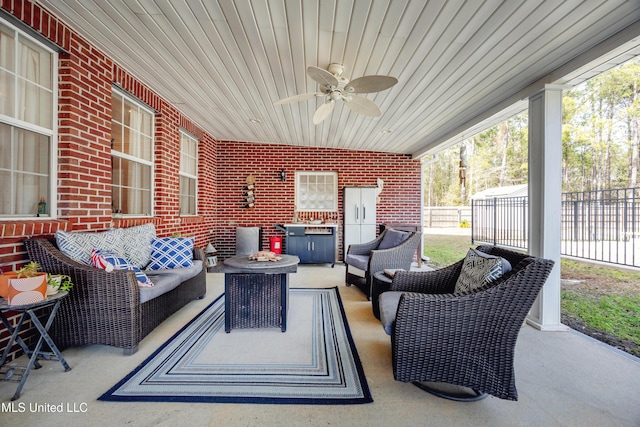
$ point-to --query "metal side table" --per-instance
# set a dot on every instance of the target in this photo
(9, 372)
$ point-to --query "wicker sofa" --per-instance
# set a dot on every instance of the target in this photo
(105, 307)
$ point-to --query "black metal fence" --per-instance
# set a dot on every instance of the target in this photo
(596, 225)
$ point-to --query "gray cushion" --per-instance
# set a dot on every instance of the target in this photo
(162, 283)
(478, 269)
(393, 238)
(167, 280)
(358, 261)
(388, 304)
(185, 273)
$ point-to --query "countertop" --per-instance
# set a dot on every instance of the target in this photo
(304, 224)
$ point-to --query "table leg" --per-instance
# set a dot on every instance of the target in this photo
(227, 304)
(15, 338)
(284, 300)
(44, 337)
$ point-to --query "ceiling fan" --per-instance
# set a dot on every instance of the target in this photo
(336, 87)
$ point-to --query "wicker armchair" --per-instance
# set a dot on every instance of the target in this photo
(104, 308)
(465, 339)
(368, 258)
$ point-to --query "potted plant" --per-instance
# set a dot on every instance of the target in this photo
(4, 282)
(28, 270)
(28, 286)
(58, 282)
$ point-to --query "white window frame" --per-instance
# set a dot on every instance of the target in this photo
(51, 133)
(304, 202)
(116, 91)
(191, 139)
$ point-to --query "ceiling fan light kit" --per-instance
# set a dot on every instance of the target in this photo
(337, 88)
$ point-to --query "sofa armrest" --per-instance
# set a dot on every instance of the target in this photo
(198, 254)
(90, 284)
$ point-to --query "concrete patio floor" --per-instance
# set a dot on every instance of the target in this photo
(563, 379)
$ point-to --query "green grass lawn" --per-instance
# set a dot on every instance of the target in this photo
(444, 250)
(605, 300)
(608, 274)
(611, 314)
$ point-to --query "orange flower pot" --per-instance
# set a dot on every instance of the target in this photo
(27, 290)
(4, 282)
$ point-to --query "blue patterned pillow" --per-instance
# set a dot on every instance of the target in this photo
(78, 245)
(120, 263)
(171, 252)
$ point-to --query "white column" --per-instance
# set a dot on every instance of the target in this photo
(421, 229)
(545, 200)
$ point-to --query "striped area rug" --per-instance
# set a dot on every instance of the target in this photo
(314, 362)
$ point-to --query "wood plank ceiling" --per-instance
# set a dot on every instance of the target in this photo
(223, 63)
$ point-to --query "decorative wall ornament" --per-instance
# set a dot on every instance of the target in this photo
(249, 192)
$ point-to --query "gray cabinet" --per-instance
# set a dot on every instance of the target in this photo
(313, 245)
(359, 215)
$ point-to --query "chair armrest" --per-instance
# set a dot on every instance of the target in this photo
(443, 321)
(365, 248)
(440, 281)
(399, 256)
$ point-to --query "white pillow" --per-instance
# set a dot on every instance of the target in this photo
(136, 243)
(78, 245)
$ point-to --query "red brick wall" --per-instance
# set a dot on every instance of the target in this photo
(399, 200)
(85, 79)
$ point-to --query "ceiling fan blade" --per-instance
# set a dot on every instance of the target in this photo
(322, 76)
(368, 84)
(323, 111)
(362, 105)
(297, 98)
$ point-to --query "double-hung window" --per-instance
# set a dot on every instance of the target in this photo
(28, 84)
(188, 173)
(131, 156)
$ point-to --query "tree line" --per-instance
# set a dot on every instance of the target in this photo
(600, 139)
